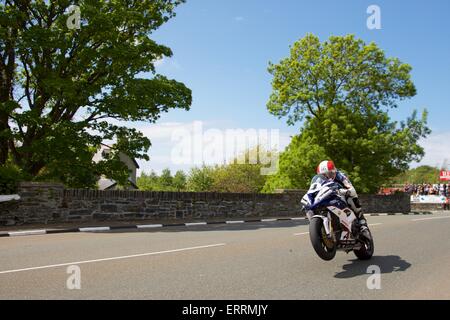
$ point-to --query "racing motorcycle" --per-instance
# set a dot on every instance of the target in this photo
(333, 225)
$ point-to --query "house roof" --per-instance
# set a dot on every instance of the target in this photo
(133, 159)
(105, 184)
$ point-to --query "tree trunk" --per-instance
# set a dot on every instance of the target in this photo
(3, 141)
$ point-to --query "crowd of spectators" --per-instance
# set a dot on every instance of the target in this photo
(424, 189)
(439, 189)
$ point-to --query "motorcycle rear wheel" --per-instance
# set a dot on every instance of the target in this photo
(366, 251)
(324, 247)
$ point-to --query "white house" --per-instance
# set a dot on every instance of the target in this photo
(109, 184)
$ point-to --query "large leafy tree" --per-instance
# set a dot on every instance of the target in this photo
(341, 90)
(366, 146)
(296, 164)
(63, 91)
(341, 71)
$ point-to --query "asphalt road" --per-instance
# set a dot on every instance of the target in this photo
(271, 260)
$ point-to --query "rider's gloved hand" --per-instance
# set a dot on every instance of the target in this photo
(344, 192)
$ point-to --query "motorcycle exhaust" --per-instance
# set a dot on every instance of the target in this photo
(349, 245)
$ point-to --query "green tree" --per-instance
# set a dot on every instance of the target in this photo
(242, 178)
(297, 164)
(148, 182)
(419, 175)
(166, 180)
(10, 176)
(368, 147)
(179, 181)
(201, 179)
(243, 174)
(342, 71)
(338, 89)
(60, 88)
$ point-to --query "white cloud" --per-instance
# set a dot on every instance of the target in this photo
(162, 131)
(436, 150)
(285, 140)
(160, 62)
(160, 153)
(167, 63)
(180, 146)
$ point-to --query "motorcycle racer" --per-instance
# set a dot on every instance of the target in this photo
(327, 171)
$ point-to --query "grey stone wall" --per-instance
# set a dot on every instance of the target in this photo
(51, 203)
(396, 203)
(374, 203)
(427, 207)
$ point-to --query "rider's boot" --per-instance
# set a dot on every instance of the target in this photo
(356, 207)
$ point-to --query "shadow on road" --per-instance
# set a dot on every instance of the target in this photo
(387, 264)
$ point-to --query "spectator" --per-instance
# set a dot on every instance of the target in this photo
(424, 189)
(441, 189)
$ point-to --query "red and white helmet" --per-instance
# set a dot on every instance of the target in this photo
(327, 168)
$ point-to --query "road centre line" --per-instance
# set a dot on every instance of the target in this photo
(301, 234)
(424, 219)
(112, 258)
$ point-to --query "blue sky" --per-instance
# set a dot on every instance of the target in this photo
(222, 49)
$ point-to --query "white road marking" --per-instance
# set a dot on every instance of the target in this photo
(268, 220)
(423, 219)
(94, 229)
(26, 233)
(302, 218)
(191, 224)
(147, 226)
(374, 224)
(301, 234)
(111, 259)
(231, 222)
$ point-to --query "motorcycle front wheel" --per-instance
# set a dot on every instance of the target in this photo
(324, 247)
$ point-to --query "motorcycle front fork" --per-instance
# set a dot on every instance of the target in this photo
(328, 227)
